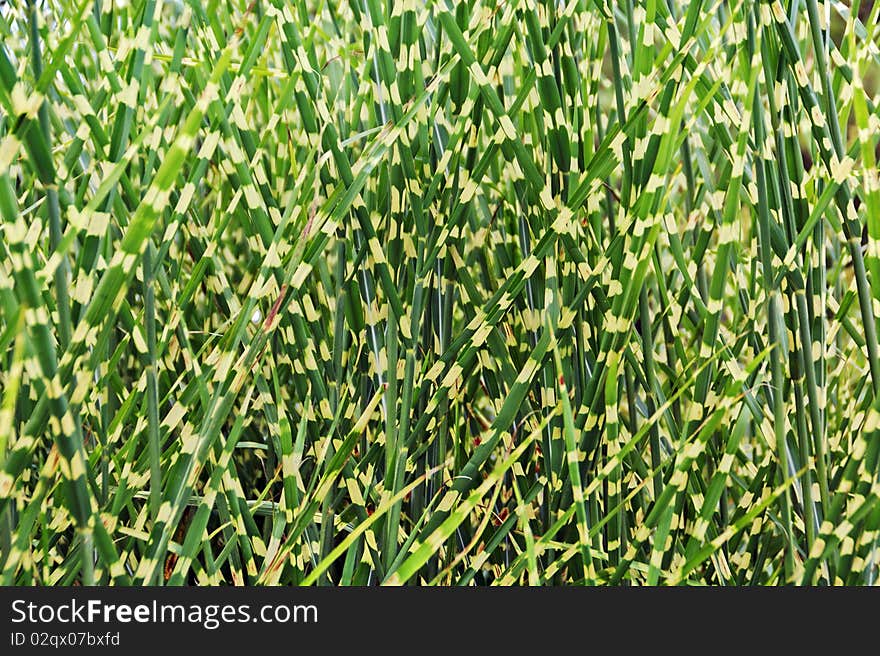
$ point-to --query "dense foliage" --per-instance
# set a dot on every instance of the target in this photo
(464, 293)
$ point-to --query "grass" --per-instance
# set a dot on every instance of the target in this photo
(447, 293)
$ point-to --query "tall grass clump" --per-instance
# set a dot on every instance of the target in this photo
(472, 293)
